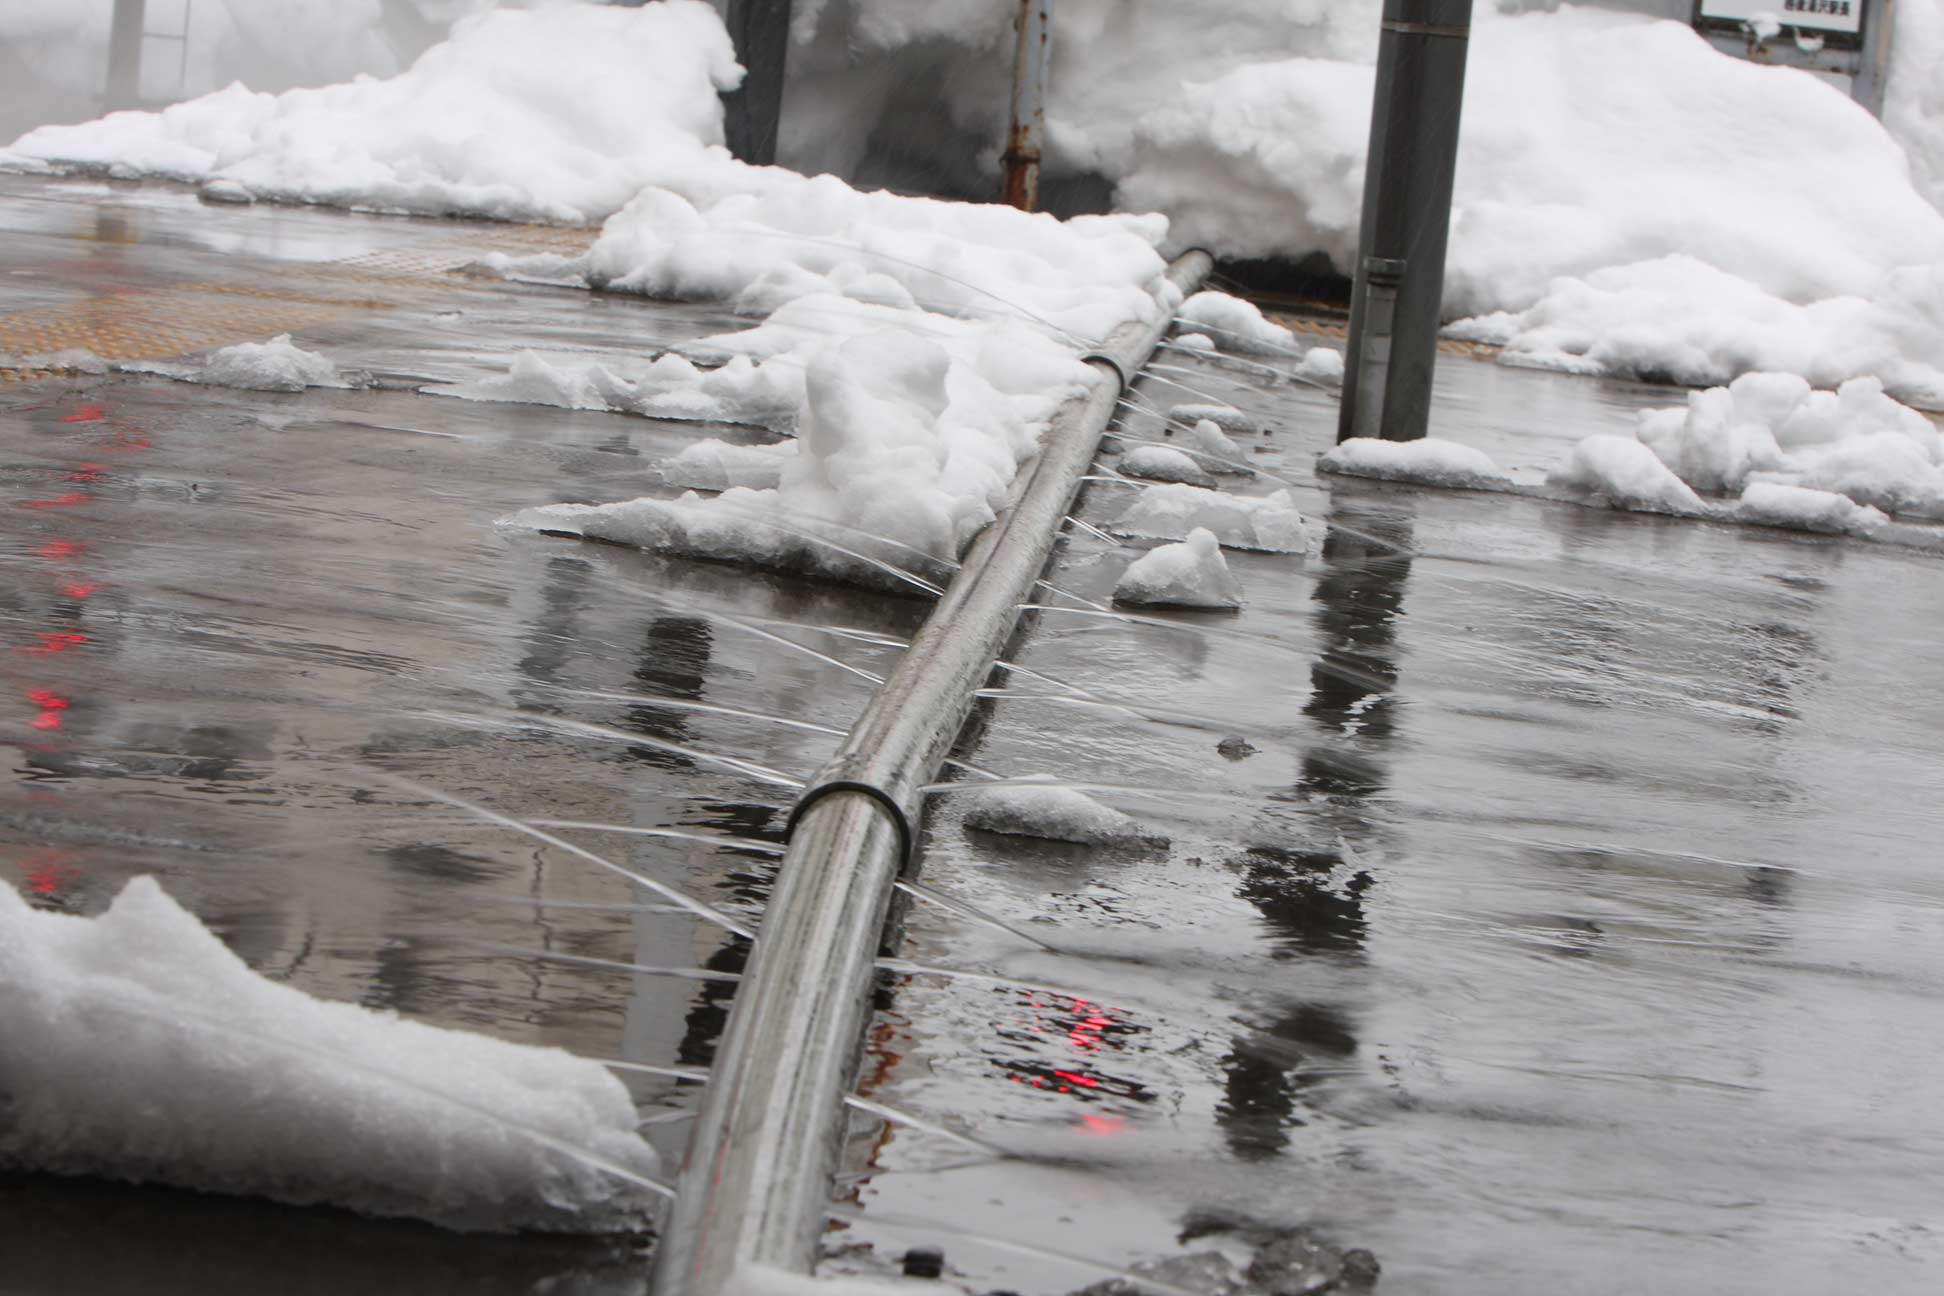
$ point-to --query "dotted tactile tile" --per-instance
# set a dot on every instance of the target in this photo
(1338, 331)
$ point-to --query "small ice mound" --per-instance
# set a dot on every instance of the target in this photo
(1269, 523)
(1164, 464)
(1055, 814)
(1195, 342)
(1213, 450)
(1191, 574)
(1237, 325)
(1226, 417)
(226, 191)
(1322, 364)
(1801, 509)
(1627, 475)
(138, 1047)
(276, 365)
(532, 379)
(718, 466)
(1428, 461)
(69, 360)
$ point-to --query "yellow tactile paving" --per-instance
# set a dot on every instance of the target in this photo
(1338, 331)
(171, 322)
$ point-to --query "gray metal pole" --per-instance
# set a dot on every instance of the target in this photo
(1399, 285)
(1873, 60)
(753, 112)
(1022, 157)
(124, 89)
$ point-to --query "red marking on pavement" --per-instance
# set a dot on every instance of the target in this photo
(58, 549)
(47, 700)
(46, 720)
(47, 872)
(80, 589)
(85, 414)
(1101, 1126)
(72, 497)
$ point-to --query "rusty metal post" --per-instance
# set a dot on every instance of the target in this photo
(1022, 156)
(1413, 159)
(124, 89)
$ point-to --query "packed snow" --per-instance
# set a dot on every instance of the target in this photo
(1269, 523)
(1054, 814)
(139, 1048)
(1212, 448)
(1430, 461)
(669, 387)
(1226, 417)
(560, 113)
(1238, 325)
(715, 465)
(1624, 473)
(1163, 464)
(1191, 574)
(1799, 508)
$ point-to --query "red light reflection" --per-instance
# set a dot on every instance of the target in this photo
(59, 501)
(52, 642)
(85, 414)
(56, 549)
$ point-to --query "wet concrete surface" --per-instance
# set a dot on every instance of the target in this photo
(1568, 920)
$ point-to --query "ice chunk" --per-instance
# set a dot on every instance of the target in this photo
(1430, 461)
(1802, 509)
(1226, 417)
(1191, 574)
(276, 365)
(1056, 814)
(1195, 342)
(1266, 522)
(136, 1046)
(1213, 450)
(1627, 475)
(718, 465)
(1164, 464)
(1237, 325)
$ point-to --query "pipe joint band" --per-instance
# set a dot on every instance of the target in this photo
(907, 835)
(1121, 375)
(1446, 30)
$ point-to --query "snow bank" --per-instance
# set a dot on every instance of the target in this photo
(1429, 461)
(1269, 522)
(1626, 474)
(136, 1046)
(1191, 574)
(560, 114)
(1163, 464)
(1801, 509)
(1055, 814)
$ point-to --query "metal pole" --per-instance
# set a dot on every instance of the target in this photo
(1413, 158)
(753, 112)
(124, 89)
(756, 1182)
(1873, 60)
(1022, 156)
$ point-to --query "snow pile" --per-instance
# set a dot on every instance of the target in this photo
(138, 1047)
(1190, 574)
(1055, 814)
(1194, 342)
(1226, 417)
(1269, 523)
(278, 365)
(1322, 364)
(1627, 475)
(1800, 509)
(719, 465)
(669, 387)
(1913, 105)
(1237, 325)
(561, 114)
(1212, 449)
(1163, 464)
(1854, 441)
(1429, 461)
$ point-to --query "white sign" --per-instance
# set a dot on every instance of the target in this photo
(1811, 15)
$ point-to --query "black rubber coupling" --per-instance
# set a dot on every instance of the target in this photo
(907, 836)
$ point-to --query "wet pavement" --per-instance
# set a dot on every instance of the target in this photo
(1568, 919)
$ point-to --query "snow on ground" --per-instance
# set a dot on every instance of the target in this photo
(1211, 447)
(1055, 814)
(1191, 574)
(1163, 464)
(138, 1047)
(277, 365)
(1237, 325)
(561, 113)
(668, 387)
(1269, 523)
(719, 466)
(69, 360)
(1430, 461)
(1626, 474)
(1226, 417)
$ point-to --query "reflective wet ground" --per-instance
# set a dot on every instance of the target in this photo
(1568, 920)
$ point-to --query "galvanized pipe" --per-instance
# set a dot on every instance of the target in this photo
(755, 1186)
(1021, 160)
(124, 84)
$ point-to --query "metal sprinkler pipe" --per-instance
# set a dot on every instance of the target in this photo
(755, 1186)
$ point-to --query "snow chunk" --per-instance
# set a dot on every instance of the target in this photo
(482, 124)
(1213, 450)
(1268, 522)
(278, 365)
(1055, 814)
(1190, 574)
(1323, 364)
(1237, 325)
(138, 1047)
(1163, 464)
(1430, 461)
(1195, 342)
(1627, 475)
(718, 465)
(1802, 509)
(1226, 417)
(669, 387)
